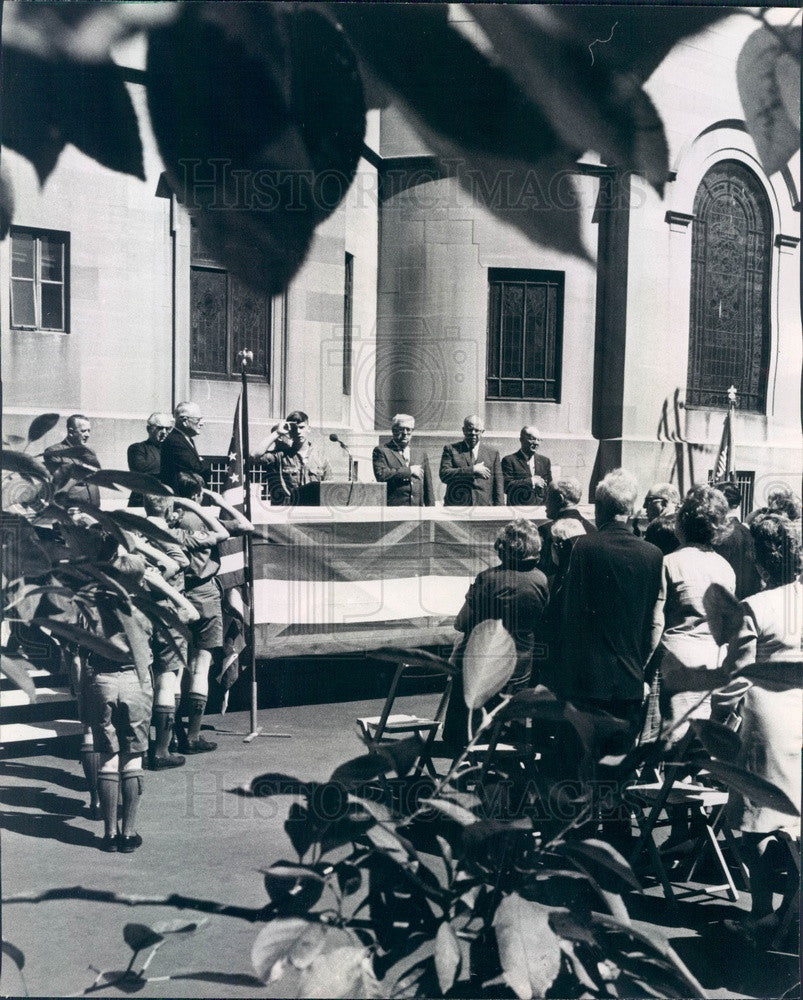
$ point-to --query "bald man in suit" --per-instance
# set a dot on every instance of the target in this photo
(471, 471)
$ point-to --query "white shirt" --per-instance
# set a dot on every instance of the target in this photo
(531, 463)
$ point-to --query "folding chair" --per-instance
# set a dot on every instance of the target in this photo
(377, 729)
(706, 804)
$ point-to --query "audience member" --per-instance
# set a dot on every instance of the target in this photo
(292, 458)
(516, 593)
(661, 533)
(562, 498)
(71, 458)
(471, 471)
(736, 544)
(146, 456)
(179, 454)
(781, 500)
(526, 473)
(406, 471)
(563, 535)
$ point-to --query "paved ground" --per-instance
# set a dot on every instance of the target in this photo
(66, 902)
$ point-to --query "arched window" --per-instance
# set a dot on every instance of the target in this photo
(729, 326)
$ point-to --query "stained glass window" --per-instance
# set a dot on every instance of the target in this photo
(729, 326)
(525, 327)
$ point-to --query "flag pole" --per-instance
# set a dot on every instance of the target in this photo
(731, 470)
(245, 357)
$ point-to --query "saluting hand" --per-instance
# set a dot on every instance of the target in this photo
(481, 469)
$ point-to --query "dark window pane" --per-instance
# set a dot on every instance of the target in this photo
(249, 326)
(729, 326)
(52, 311)
(22, 255)
(208, 321)
(199, 252)
(50, 256)
(494, 327)
(512, 329)
(535, 322)
(22, 307)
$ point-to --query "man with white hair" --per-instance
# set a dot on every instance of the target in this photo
(472, 471)
(526, 473)
(612, 618)
(405, 470)
(179, 451)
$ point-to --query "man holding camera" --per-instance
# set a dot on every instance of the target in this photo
(291, 458)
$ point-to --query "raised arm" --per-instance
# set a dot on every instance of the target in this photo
(217, 532)
(241, 522)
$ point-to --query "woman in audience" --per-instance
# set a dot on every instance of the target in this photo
(767, 655)
(563, 535)
(687, 643)
(516, 593)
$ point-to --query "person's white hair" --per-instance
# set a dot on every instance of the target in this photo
(616, 493)
(569, 488)
(566, 527)
(186, 409)
(400, 418)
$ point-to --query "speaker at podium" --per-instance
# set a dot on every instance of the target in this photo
(341, 494)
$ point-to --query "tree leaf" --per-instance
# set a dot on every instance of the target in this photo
(18, 461)
(299, 829)
(717, 739)
(768, 77)
(758, 790)
(87, 640)
(14, 953)
(133, 522)
(605, 860)
(126, 480)
(139, 936)
(587, 103)
(534, 703)
(178, 926)
(452, 810)
(529, 950)
(6, 216)
(293, 888)
(725, 614)
(276, 783)
(344, 972)
(489, 659)
(105, 520)
(49, 104)
(448, 957)
(279, 940)
(398, 756)
(42, 425)
(16, 669)
(349, 877)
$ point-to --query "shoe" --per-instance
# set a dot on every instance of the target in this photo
(109, 844)
(163, 763)
(754, 933)
(127, 845)
(199, 745)
(94, 810)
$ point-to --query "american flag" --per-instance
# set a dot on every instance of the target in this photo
(232, 565)
(725, 463)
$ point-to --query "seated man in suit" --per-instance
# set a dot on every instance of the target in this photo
(179, 452)
(406, 472)
(471, 471)
(146, 456)
(527, 474)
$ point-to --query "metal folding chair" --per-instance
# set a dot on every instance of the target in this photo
(378, 729)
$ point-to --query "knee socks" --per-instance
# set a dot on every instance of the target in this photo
(163, 718)
(131, 783)
(90, 762)
(108, 789)
(197, 705)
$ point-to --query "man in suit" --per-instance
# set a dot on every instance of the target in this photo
(179, 452)
(406, 472)
(612, 617)
(562, 498)
(736, 545)
(146, 456)
(527, 474)
(70, 458)
(471, 471)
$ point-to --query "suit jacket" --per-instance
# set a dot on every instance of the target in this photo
(736, 546)
(145, 457)
(404, 490)
(464, 488)
(63, 460)
(518, 482)
(609, 612)
(179, 455)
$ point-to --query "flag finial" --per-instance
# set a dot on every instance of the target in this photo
(732, 394)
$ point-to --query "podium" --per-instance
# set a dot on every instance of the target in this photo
(341, 494)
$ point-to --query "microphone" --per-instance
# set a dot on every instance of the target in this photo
(344, 446)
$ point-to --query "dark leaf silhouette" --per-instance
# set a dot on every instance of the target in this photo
(398, 756)
(293, 889)
(14, 953)
(16, 669)
(717, 739)
(87, 640)
(123, 479)
(41, 425)
(768, 75)
(17, 461)
(106, 521)
(271, 91)
(276, 783)
(758, 790)
(47, 105)
(6, 206)
(605, 864)
(133, 522)
(724, 612)
(139, 936)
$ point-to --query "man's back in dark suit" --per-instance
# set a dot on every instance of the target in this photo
(519, 487)
(145, 457)
(179, 455)
(736, 546)
(404, 489)
(611, 593)
(466, 488)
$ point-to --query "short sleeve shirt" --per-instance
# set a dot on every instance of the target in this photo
(199, 546)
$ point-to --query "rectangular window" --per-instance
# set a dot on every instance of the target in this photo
(226, 317)
(525, 334)
(39, 280)
(348, 307)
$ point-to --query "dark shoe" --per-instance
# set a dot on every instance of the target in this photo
(109, 844)
(94, 810)
(127, 845)
(163, 763)
(199, 745)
